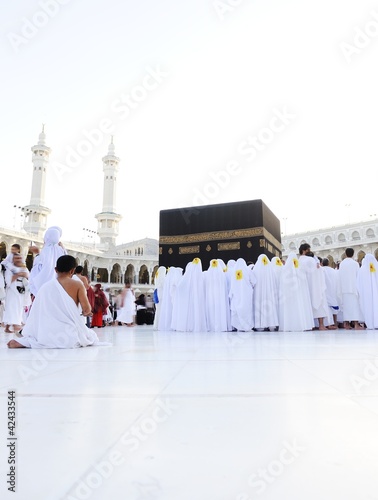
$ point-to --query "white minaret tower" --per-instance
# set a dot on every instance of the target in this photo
(36, 212)
(108, 219)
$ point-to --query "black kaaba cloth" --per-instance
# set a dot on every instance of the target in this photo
(226, 231)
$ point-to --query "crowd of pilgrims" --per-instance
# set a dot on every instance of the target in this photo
(299, 294)
(18, 286)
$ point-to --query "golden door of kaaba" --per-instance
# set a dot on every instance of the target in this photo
(226, 231)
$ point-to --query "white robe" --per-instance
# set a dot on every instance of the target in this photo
(216, 297)
(188, 312)
(15, 302)
(55, 322)
(348, 271)
(317, 287)
(241, 296)
(2, 285)
(367, 286)
(171, 282)
(128, 309)
(265, 294)
(229, 273)
(333, 293)
(295, 310)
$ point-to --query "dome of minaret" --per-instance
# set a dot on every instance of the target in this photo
(111, 150)
(42, 137)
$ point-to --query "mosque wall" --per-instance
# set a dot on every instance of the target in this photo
(361, 236)
(110, 268)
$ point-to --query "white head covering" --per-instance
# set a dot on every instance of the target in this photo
(57, 228)
(44, 270)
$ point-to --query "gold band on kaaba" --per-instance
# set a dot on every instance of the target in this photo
(218, 235)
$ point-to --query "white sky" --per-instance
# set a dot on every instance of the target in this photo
(226, 73)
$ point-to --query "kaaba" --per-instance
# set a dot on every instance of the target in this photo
(225, 231)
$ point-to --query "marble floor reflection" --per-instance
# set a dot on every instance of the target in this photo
(194, 416)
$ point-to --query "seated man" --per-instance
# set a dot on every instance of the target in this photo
(54, 320)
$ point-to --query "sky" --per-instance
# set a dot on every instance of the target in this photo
(209, 101)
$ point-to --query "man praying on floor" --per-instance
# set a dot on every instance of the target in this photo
(54, 320)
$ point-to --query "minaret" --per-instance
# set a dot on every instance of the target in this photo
(108, 219)
(36, 212)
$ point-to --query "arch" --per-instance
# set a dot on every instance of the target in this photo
(356, 235)
(102, 275)
(144, 276)
(341, 237)
(154, 273)
(130, 274)
(292, 245)
(370, 233)
(85, 268)
(3, 250)
(328, 240)
(331, 261)
(29, 260)
(115, 275)
(360, 255)
(316, 242)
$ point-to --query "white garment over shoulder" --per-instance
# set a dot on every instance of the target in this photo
(229, 272)
(333, 292)
(15, 302)
(216, 296)
(55, 322)
(43, 268)
(295, 310)
(348, 270)
(128, 309)
(367, 286)
(2, 285)
(188, 313)
(172, 279)
(317, 287)
(241, 296)
(265, 294)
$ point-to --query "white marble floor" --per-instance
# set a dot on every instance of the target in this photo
(205, 416)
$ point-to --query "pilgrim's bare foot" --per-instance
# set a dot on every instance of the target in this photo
(359, 327)
(13, 344)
